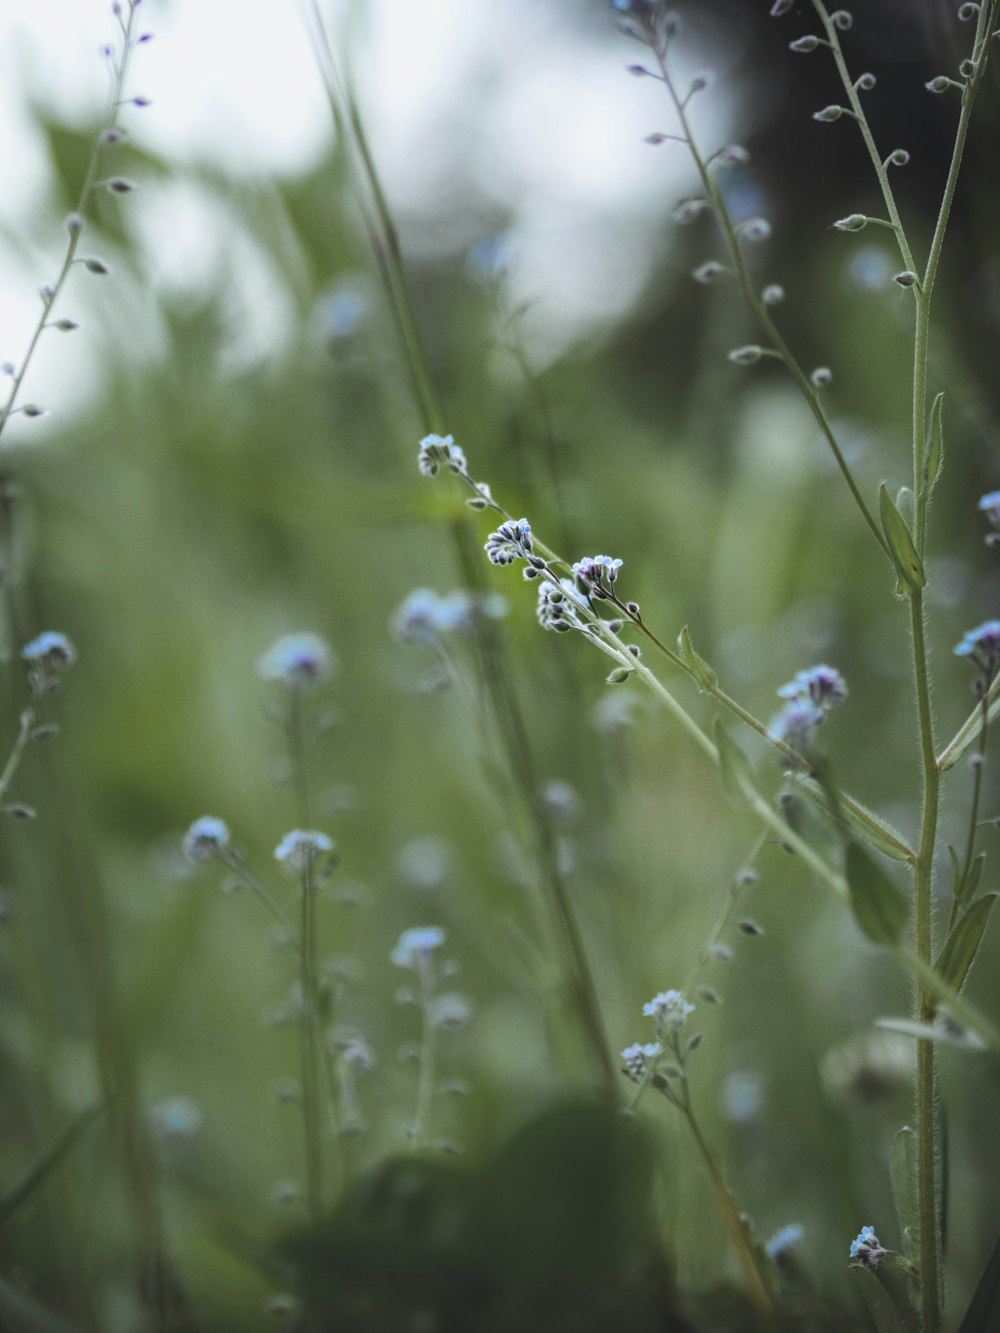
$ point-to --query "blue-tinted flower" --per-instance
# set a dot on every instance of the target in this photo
(597, 574)
(415, 946)
(669, 1008)
(511, 541)
(982, 646)
(990, 506)
(490, 256)
(638, 1059)
(298, 659)
(440, 451)
(50, 650)
(796, 723)
(785, 1239)
(823, 686)
(866, 1249)
(559, 607)
(300, 848)
(207, 837)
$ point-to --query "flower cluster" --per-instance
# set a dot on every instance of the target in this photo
(300, 848)
(425, 614)
(989, 505)
(298, 659)
(415, 946)
(207, 837)
(639, 1059)
(441, 451)
(669, 1008)
(982, 646)
(50, 651)
(596, 574)
(511, 541)
(811, 694)
(559, 607)
(866, 1249)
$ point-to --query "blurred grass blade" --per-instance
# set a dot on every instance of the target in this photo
(903, 1169)
(908, 564)
(880, 1304)
(20, 1314)
(959, 953)
(983, 1314)
(36, 1175)
(880, 908)
(945, 1036)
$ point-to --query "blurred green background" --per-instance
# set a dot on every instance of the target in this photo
(207, 502)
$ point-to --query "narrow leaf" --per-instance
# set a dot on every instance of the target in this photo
(861, 821)
(699, 668)
(969, 732)
(983, 1314)
(737, 775)
(944, 1034)
(881, 1306)
(908, 564)
(934, 452)
(903, 1163)
(959, 952)
(50, 1157)
(970, 884)
(880, 908)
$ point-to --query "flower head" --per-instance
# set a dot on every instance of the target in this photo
(207, 837)
(300, 848)
(596, 574)
(511, 541)
(989, 504)
(796, 723)
(298, 659)
(784, 1240)
(866, 1248)
(50, 650)
(415, 946)
(441, 451)
(559, 607)
(638, 1059)
(823, 686)
(669, 1008)
(982, 646)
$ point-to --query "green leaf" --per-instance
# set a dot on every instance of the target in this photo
(903, 1165)
(50, 1157)
(968, 734)
(970, 884)
(880, 908)
(880, 835)
(881, 1306)
(699, 668)
(934, 450)
(983, 1314)
(955, 960)
(737, 775)
(908, 564)
(906, 503)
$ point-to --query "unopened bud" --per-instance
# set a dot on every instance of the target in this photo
(899, 157)
(842, 20)
(781, 7)
(33, 410)
(829, 114)
(905, 279)
(94, 265)
(853, 222)
(803, 45)
(74, 223)
(938, 85)
(688, 209)
(120, 185)
(65, 325)
(967, 11)
(708, 272)
(864, 83)
(755, 229)
(746, 356)
(773, 294)
(821, 377)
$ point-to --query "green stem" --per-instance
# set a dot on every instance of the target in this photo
(428, 1056)
(308, 1029)
(923, 886)
(756, 304)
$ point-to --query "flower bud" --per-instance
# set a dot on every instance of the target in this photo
(708, 272)
(773, 294)
(829, 114)
(853, 222)
(938, 85)
(864, 83)
(746, 356)
(905, 279)
(899, 157)
(781, 7)
(842, 20)
(803, 45)
(821, 377)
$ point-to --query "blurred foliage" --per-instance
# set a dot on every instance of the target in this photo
(213, 495)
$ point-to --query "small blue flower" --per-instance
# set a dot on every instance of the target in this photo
(511, 541)
(415, 946)
(822, 685)
(51, 650)
(300, 848)
(782, 1241)
(440, 450)
(669, 1008)
(597, 574)
(989, 504)
(207, 837)
(298, 659)
(638, 1058)
(866, 1248)
(982, 646)
(796, 723)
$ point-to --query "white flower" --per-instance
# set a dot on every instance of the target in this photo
(416, 945)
